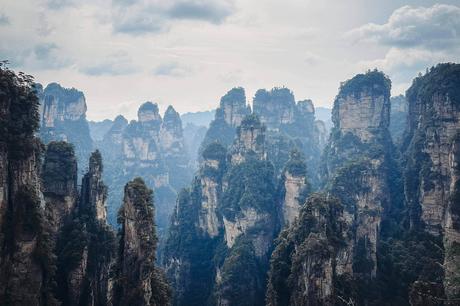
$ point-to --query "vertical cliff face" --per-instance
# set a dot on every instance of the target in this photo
(294, 188)
(250, 223)
(138, 281)
(289, 125)
(225, 224)
(250, 140)
(330, 255)
(275, 107)
(197, 231)
(174, 150)
(431, 147)
(86, 245)
(25, 244)
(303, 264)
(357, 163)
(93, 190)
(229, 115)
(59, 178)
(64, 118)
(398, 118)
(114, 136)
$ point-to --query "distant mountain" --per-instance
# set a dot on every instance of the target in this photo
(98, 129)
(198, 118)
(324, 114)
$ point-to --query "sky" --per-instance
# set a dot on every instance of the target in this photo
(188, 53)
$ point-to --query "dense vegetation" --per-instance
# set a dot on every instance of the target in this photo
(373, 81)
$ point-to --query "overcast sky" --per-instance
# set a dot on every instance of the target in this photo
(188, 53)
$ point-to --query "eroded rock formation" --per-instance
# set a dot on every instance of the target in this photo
(431, 173)
(63, 118)
(138, 281)
(27, 264)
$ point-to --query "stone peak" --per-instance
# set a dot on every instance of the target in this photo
(171, 113)
(277, 95)
(95, 162)
(373, 82)
(235, 96)
(67, 95)
(120, 119)
(306, 106)
(148, 112)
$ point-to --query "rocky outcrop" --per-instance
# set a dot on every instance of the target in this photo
(431, 174)
(303, 264)
(323, 133)
(196, 231)
(59, 177)
(250, 140)
(63, 118)
(277, 107)
(294, 188)
(86, 245)
(114, 136)
(290, 125)
(138, 281)
(228, 220)
(152, 147)
(398, 118)
(229, 115)
(357, 164)
(26, 248)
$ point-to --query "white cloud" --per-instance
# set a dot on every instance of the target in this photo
(434, 27)
(151, 16)
(172, 69)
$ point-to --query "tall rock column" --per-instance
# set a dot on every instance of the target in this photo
(294, 188)
(86, 246)
(26, 248)
(356, 165)
(431, 175)
(139, 282)
(197, 231)
(59, 177)
(229, 115)
(63, 118)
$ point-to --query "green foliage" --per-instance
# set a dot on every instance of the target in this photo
(251, 121)
(296, 164)
(250, 185)
(443, 79)
(242, 277)
(315, 236)
(193, 248)
(136, 264)
(59, 172)
(20, 119)
(235, 95)
(215, 151)
(375, 82)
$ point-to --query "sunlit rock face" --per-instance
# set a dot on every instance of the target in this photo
(358, 176)
(295, 188)
(63, 117)
(431, 174)
(362, 111)
(276, 107)
(229, 115)
(250, 140)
